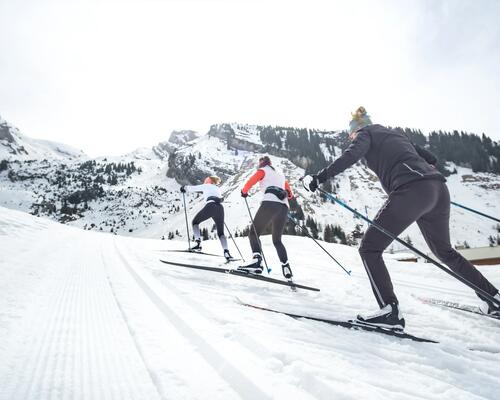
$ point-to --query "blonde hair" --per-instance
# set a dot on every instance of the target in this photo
(359, 114)
(359, 120)
(215, 179)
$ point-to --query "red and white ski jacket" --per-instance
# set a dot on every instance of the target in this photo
(267, 177)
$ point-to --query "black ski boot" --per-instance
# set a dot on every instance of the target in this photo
(228, 256)
(489, 308)
(389, 317)
(287, 271)
(197, 247)
(254, 266)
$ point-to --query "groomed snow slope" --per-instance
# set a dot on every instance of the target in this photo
(85, 315)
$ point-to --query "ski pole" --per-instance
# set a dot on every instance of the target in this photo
(186, 215)
(257, 236)
(475, 211)
(319, 244)
(234, 241)
(415, 250)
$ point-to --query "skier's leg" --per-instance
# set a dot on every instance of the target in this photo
(435, 227)
(261, 220)
(218, 218)
(401, 209)
(279, 220)
(204, 214)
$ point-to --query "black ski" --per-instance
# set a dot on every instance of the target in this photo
(242, 274)
(194, 252)
(201, 252)
(455, 306)
(350, 324)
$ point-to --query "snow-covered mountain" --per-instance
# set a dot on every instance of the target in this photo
(138, 194)
(16, 146)
(87, 315)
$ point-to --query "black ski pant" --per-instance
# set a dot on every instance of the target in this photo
(428, 203)
(275, 213)
(216, 212)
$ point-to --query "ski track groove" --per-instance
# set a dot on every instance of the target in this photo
(76, 348)
(52, 381)
(223, 367)
(151, 374)
(42, 372)
(44, 344)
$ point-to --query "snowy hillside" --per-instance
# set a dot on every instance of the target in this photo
(138, 194)
(105, 319)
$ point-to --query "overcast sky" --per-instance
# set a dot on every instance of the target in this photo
(110, 76)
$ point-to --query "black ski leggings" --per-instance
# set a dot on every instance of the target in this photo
(211, 210)
(275, 213)
(428, 203)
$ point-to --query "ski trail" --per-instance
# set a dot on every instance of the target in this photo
(132, 336)
(81, 347)
(264, 358)
(232, 375)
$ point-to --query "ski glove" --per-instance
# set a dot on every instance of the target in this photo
(183, 189)
(243, 194)
(310, 182)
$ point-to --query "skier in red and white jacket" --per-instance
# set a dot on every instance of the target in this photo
(273, 209)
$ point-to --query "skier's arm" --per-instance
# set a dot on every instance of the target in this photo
(357, 149)
(288, 190)
(426, 154)
(258, 176)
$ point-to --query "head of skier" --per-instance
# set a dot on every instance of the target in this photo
(264, 162)
(212, 180)
(359, 120)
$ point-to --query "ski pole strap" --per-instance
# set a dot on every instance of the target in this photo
(315, 241)
(415, 250)
(475, 211)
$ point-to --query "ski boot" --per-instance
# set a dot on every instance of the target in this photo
(197, 247)
(287, 271)
(228, 256)
(389, 317)
(489, 308)
(254, 266)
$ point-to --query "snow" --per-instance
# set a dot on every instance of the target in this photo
(89, 315)
(27, 148)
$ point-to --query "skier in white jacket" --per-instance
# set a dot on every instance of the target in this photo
(212, 209)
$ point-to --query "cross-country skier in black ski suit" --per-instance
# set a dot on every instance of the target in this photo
(417, 192)
(212, 209)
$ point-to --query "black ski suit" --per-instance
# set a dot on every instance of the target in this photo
(417, 192)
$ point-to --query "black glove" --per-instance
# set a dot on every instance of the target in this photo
(310, 182)
(183, 189)
(244, 195)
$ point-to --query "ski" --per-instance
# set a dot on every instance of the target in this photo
(194, 252)
(201, 252)
(350, 324)
(242, 274)
(455, 306)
